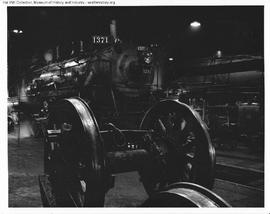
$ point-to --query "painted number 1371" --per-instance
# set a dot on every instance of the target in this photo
(100, 39)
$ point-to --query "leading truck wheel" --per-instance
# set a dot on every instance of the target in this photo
(185, 150)
(74, 158)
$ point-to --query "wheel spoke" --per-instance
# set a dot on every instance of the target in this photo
(162, 126)
(189, 142)
(189, 157)
(185, 140)
(72, 199)
(188, 167)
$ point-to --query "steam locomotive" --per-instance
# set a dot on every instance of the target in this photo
(109, 76)
(117, 78)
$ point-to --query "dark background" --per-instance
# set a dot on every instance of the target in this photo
(234, 29)
(231, 29)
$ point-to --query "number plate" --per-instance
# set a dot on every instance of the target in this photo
(100, 39)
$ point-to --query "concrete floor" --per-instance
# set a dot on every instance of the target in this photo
(25, 163)
(25, 159)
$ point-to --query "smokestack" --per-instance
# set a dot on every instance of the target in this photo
(113, 29)
(81, 46)
(57, 53)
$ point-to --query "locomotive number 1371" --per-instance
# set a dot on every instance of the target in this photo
(100, 39)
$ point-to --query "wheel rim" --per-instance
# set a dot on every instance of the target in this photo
(76, 166)
(190, 154)
(184, 194)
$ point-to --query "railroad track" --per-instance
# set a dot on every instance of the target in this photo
(241, 174)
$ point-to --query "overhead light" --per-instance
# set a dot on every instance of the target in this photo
(219, 54)
(195, 24)
(16, 31)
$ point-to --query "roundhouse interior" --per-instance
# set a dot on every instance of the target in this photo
(123, 60)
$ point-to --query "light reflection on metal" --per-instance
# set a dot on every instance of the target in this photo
(70, 64)
(55, 77)
(46, 75)
(68, 74)
(82, 61)
(148, 58)
(28, 88)
(154, 45)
